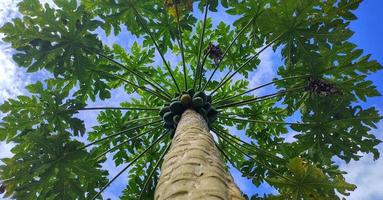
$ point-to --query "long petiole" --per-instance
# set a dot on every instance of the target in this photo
(224, 81)
(148, 81)
(246, 145)
(121, 132)
(201, 70)
(252, 157)
(227, 50)
(252, 100)
(111, 108)
(224, 154)
(127, 141)
(198, 67)
(182, 47)
(157, 93)
(142, 23)
(262, 121)
(258, 99)
(256, 88)
(153, 170)
(130, 164)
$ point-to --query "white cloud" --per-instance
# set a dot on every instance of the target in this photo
(8, 10)
(265, 71)
(5, 150)
(12, 79)
(366, 174)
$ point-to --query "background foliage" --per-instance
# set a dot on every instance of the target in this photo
(322, 81)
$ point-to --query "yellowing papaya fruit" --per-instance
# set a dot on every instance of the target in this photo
(186, 99)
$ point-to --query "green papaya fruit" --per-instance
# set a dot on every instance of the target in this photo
(198, 102)
(172, 133)
(164, 110)
(203, 112)
(207, 106)
(213, 111)
(168, 118)
(200, 94)
(211, 118)
(176, 119)
(177, 107)
(167, 126)
(212, 114)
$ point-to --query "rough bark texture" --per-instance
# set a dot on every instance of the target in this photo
(193, 168)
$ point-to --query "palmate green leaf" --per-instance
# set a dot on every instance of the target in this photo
(191, 40)
(221, 37)
(164, 28)
(348, 76)
(47, 104)
(345, 131)
(265, 129)
(57, 40)
(117, 13)
(342, 131)
(111, 121)
(40, 46)
(50, 166)
(114, 121)
(139, 59)
(306, 181)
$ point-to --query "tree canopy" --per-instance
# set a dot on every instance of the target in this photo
(322, 81)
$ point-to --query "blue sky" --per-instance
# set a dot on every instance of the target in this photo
(366, 173)
(368, 36)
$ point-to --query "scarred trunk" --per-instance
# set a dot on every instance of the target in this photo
(193, 168)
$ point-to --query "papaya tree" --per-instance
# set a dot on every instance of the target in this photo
(189, 115)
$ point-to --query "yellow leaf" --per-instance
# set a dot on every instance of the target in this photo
(184, 7)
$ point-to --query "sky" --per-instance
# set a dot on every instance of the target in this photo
(366, 173)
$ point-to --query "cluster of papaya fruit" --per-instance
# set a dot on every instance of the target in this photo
(198, 101)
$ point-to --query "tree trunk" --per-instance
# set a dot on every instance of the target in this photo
(193, 168)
